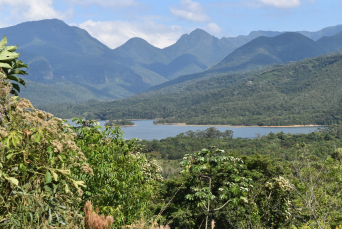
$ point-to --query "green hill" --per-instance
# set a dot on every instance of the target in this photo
(268, 50)
(57, 52)
(331, 43)
(306, 92)
(67, 56)
(256, 54)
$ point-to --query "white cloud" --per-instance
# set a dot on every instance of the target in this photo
(189, 10)
(107, 3)
(281, 3)
(116, 33)
(213, 28)
(29, 10)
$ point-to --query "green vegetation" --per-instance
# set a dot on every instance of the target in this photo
(122, 122)
(49, 170)
(50, 47)
(305, 92)
(54, 175)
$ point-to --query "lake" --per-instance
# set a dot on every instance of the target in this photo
(145, 129)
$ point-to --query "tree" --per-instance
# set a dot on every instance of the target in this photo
(10, 66)
(317, 186)
(37, 158)
(124, 182)
(215, 180)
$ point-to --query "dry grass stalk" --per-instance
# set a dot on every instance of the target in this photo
(93, 220)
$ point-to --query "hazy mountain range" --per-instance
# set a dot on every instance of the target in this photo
(67, 64)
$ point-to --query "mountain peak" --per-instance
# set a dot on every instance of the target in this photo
(137, 41)
(199, 32)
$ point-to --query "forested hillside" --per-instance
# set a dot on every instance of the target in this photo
(68, 65)
(263, 51)
(306, 92)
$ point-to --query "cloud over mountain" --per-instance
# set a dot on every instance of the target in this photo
(190, 10)
(115, 33)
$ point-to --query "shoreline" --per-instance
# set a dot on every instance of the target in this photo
(293, 126)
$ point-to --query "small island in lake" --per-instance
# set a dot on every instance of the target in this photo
(121, 122)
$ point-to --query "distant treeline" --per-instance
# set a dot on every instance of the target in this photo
(277, 145)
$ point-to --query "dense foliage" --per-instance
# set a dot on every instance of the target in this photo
(123, 182)
(37, 159)
(48, 169)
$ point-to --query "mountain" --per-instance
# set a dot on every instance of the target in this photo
(269, 50)
(304, 92)
(207, 48)
(63, 55)
(57, 52)
(194, 52)
(326, 32)
(256, 54)
(331, 43)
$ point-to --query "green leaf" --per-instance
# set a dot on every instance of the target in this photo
(9, 156)
(5, 65)
(12, 180)
(11, 48)
(55, 176)
(6, 55)
(19, 72)
(36, 137)
(49, 149)
(48, 178)
(15, 78)
(16, 87)
(3, 43)
(79, 183)
(66, 188)
(22, 167)
(14, 92)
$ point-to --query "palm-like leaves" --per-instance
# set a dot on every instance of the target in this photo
(10, 66)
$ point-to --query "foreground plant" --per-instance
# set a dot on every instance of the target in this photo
(125, 182)
(215, 181)
(92, 220)
(37, 160)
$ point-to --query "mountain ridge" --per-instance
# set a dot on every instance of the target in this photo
(58, 52)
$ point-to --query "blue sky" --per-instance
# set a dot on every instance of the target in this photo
(162, 22)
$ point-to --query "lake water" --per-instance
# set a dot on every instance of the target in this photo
(145, 129)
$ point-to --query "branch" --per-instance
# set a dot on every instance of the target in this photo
(221, 206)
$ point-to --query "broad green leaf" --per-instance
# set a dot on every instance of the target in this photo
(19, 72)
(3, 43)
(5, 65)
(14, 92)
(11, 48)
(16, 78)
(6, 55)
(16, 87)
(48, 178)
